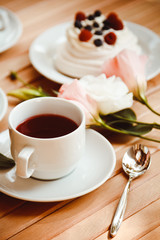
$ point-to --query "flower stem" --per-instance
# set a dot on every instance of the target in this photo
(150, 108)
(14, 76)
(153, 125)
(104, 125)
(28, 91)
(145, 102)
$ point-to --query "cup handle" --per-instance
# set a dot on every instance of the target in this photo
(23, 169)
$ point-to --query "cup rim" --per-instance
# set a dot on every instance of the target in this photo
(41, 98)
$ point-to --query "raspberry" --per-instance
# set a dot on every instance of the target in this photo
(85, 35)
(118, 25)
(112, 17)
(114, 21)
(110, 38)
(80, 16)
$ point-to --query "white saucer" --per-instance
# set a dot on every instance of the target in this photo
(12, 31)
(43, 51)
(94, 169)
(3, 104)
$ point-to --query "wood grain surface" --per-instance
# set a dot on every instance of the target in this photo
(87, 217)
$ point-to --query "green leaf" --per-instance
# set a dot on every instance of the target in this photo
(138, 129)
(116, 122)
(134, 129)
(126, 113)
(120, 124)
(6, 162)
(127, 117)
(27, 93)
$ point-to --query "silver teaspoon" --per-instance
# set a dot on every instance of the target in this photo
(135, 162)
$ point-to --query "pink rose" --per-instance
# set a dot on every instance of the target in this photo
(130, 67)
(74, 91)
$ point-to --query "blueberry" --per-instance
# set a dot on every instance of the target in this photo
(78, 24)
(98, 42)
(90, 17)
(95, 24)
(88, 27)
(97, 13)
(105, 27)
(106, 22)
(98, 32)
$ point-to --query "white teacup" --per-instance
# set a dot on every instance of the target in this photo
(46, 158)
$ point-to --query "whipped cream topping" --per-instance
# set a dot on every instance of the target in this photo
(77, 58)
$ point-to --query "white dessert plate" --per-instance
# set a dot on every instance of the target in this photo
(42, 51)
(12, 29)
(3, 104)
(92, 171)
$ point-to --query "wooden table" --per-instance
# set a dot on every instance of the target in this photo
(87, 217)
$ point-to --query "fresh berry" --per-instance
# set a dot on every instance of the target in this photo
(78, 24)
(98, 42)
(85, 35)
(118, 25)
(80, 16)
(98, 32)
(106, 22)
(97, 13)
(90, 17)
(95, 25)
(110, 38)
(115, 22)
(112, 17)
(88, 27)
(105, 27)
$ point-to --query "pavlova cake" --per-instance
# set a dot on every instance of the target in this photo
(91, 40)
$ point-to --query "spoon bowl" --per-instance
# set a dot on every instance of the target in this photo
(136, 161)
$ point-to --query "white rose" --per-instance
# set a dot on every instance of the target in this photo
(111, 94)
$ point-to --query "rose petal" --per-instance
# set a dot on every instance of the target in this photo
(76, 92)
(130, 67)
(111, 94)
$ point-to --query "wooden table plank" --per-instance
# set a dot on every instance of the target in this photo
(8, 204)
(80, 213)
(139, 224)
(154, 234)
(25, 215)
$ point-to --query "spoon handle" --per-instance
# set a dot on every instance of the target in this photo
(118, 216)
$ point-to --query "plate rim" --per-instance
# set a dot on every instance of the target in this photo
(70, 196)
(67, 78)
(19, 30)
(5, 104)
